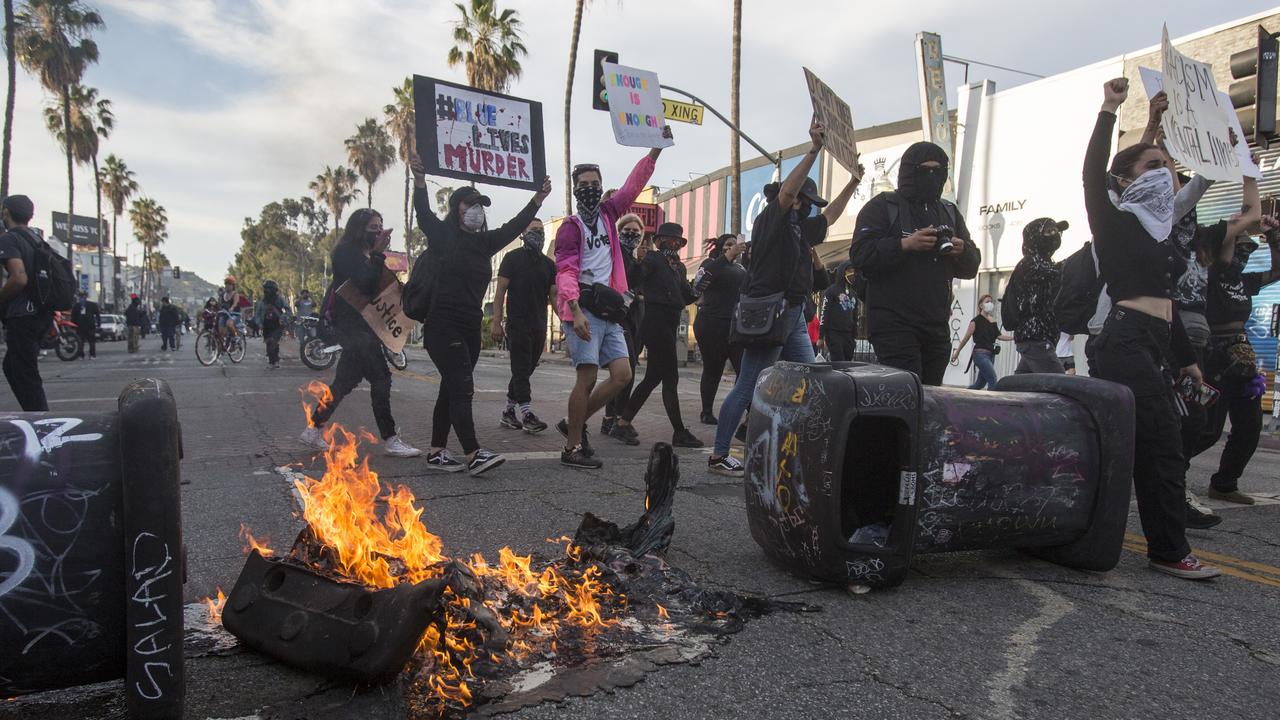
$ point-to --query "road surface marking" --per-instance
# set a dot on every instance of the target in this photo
(1023, 643)
(1260, 573)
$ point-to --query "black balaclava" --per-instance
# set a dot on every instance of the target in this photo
(916, 182)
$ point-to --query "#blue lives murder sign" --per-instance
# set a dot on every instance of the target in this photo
(477, 135)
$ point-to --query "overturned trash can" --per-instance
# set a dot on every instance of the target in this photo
(91, 557)
(852, 468)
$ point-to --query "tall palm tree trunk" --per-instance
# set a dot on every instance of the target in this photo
(115, 237)
(11, 58)
(369, 184)
(735, 147)
(568, 97)
(408, 228)
(71, 178)
(97, 185)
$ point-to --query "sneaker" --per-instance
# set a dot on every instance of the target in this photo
(706, 418)
(1234, 496)
(509, 419)
(741, 433)
(625, 433)
(443, 461)
(1197, 520)
(1194, 502)
(576, 457)
(1189, 568)
(397, 447)
(532, 424)
(562, 427)
(606, 424)
(727, 465)
(484, 461)
(313, 437)
(685, 439)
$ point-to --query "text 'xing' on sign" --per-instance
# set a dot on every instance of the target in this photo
(682, 112)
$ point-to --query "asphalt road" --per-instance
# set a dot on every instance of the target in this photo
(978, 635)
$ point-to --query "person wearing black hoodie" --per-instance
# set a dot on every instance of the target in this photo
(631, 239)
(1033, 288)
(839, 325)
(901, 245)
(719, 284)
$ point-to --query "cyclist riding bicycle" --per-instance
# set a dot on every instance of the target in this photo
(230, 300)
(209, 315)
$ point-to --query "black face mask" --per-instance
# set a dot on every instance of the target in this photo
(588, 197)
(535, 239)
(917, 182)
(629, 239)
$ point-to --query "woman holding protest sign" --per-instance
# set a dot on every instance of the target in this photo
(461, 245)
(358, 259)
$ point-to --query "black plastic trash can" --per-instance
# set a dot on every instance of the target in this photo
(91, 557)
(853, 467)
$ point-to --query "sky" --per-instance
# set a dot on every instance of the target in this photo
(225, 105)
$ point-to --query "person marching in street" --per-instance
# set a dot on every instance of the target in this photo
(86, 316)
(985, 332)
(526, 283)
(591, 281)
(1033, 287)
(305, 307)
(719, 284)
(134, 317)
(269, 314)
(838, 330)
(463, 245)
(167, 321)
(910, 244)
(784, 263)
(358, 258)
(666, 292)
(1130, 208)
(631, 239)
(24, 320)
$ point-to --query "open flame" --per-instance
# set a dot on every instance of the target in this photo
(252, 543)
(319, 394)
(214, 606)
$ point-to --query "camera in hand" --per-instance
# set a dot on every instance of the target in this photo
(946, 235)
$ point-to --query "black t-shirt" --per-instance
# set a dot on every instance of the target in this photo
(1229, 295)
(723, 289)
(985, 333)
(14, 245)
(780, 260)
(530, 275)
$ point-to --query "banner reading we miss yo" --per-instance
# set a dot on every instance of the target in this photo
(478, 135)
(635, 105)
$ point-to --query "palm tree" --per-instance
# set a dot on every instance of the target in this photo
(116, 180)
(151, 228)
(52, 40)
(91, 122)
(488, 45)
(735, 146)
(371, 152)
(568, 96)
(11, 57)
(402, 126)
(336, 188)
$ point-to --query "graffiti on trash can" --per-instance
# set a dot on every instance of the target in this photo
(44, 436)
(867, 569)
(151, 562)
(17, 546)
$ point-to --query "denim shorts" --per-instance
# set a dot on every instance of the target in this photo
(607, 343)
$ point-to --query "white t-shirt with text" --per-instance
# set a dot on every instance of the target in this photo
(596, 262)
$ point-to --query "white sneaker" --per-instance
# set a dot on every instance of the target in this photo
(1195, 502)
(312, 437)
(395, 447)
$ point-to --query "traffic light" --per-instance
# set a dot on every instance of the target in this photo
(600, 96)
(1253, 94)
(177, 273)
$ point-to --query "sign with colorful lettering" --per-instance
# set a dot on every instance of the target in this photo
(635, 105)
(1195, 125)
(478, 135)
(836, 116)
(384, 312)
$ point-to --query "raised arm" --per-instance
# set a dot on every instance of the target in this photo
(795, 179)
(835, 208)
(1251, 211)
(1097, 202)
(428, 223)
(1155, 111)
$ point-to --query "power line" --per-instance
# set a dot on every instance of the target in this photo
(964, 61)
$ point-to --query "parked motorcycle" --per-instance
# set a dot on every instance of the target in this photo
(320, 348)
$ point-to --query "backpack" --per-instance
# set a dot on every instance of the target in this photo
(1010, 316)
(53, 286)
(420, 290)
(1077, 299)
(270, 316)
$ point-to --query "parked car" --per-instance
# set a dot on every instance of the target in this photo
(111, 327)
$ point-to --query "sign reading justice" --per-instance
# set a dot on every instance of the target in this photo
(384, 313)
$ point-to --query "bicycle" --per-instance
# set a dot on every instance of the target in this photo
(210, 344)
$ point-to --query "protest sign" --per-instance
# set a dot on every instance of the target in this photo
(1153, 82)
(384, 313)
(833, 113)
(478, 135)
(1195, 126)
(635, 106)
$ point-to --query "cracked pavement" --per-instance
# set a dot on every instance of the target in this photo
(993, 634)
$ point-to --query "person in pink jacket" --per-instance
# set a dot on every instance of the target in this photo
(592, 288)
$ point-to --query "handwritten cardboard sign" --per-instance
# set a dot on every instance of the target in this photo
(1153, 82)
(384, 313)
(478, 135)
(835, 114)
(635, 106)
(1195, 125)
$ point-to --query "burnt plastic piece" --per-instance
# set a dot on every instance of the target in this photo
(315, 623)
(91, 542)
(652, 532)
(853, 468)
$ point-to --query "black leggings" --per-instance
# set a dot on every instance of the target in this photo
(712, 334)
(454, 346)
(361, 359)
(659, 333)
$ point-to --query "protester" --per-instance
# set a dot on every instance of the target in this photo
(231, 300)
(167, 320)
(1066, 353)
(1130, 209)
(985, 332)
(839, 326)
(209, 315)
(910, 244)
(783, 264)
(87, 318)
(719, 285)
(305, 307)
(666, 292)
(358, 259)
(1032, 289)
(134, 318)
(811, 322)
(24, 320)
(462, 245)
(1232, 365)
(526, 283)
(631, 239)
(269, 314)
(590, 282)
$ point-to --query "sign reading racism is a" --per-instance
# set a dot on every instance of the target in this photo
(478, 135)
(1195, 125)
(635, 105)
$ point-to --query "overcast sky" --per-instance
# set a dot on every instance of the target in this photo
(224, 105)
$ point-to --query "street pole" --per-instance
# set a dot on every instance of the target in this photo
(776, 159)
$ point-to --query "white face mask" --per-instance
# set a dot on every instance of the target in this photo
(988, 307)
(473, 218)
(1150, 198)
